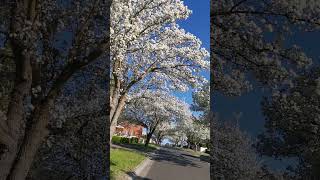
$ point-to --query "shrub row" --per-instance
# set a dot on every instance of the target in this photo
(124, 140)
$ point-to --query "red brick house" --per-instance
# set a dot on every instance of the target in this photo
(128, 129)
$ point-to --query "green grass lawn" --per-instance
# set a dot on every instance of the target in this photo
(122, 161)
(150, 147)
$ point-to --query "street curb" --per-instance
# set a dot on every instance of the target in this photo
(142, 169)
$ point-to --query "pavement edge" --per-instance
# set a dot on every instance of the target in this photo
(143, 168)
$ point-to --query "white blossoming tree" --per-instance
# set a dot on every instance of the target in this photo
(163, 130)
(233, 156)
(48, 42)
(76, 145)
(293, 125)
(150, 51)
(249, 41)
(177, 137)
(196, 132)
(201, 99)
(156, 110)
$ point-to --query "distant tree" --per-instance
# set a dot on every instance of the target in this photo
(201, 99)
(156, 108)
(177, 136)
(233, 156)
(162, 131)
(196, 132)
(201, 103)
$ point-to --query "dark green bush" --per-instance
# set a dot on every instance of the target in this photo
(134, 140)
(116, 139)
(125, 140)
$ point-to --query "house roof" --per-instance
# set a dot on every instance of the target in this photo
(119, 126)
(131, 122)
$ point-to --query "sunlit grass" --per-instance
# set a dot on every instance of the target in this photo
(122, 161)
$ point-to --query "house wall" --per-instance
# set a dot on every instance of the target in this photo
(130, 130)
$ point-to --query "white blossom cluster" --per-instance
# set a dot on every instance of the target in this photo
(196, 132)
(164, 129)
(232, 154)
(165, 126)
(77, 142)
(47, 43)
(158, 107)
(293, 124)
(148, 48)
(201, 99)
(249, 41)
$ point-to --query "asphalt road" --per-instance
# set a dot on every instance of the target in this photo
(172, 164)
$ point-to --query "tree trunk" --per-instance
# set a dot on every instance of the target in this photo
(149, 135)
(12, 128)
(159, 138)
(6, 162)
(15, 114)
(15, 122)
(31, 143)
(116, 111)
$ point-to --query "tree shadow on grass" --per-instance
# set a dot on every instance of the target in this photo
(138, 147)
(189, 155)
(112, 173)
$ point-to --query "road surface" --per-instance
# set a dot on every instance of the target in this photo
(173, 164)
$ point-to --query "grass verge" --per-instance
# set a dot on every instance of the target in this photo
(122, 161)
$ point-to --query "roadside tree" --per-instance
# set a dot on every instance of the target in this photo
(293, 125)
(46, 43)
(156, 108)
(150, 51)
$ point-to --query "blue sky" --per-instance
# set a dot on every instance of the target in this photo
(252, 120)
(198, 24)
(199, 21)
